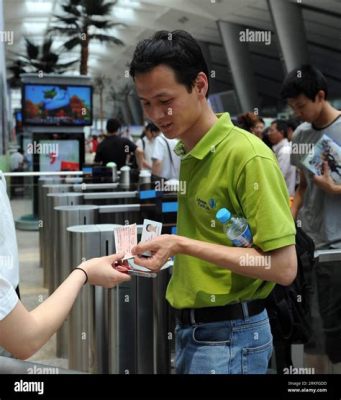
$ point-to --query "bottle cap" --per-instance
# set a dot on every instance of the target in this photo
(223, 215)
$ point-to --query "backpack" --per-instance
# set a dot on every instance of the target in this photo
(289, 306)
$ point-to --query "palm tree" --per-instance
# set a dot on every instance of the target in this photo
(120, 98)
(84, 21)
(17, 68)
(38, 58)
(100, 83)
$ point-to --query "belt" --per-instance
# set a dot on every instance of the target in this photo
(191, 316)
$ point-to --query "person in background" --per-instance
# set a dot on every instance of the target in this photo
(17, 163)
(317, 205)
(222, 323)
(166, 163)
(94, 143)
(266, 139)
(280, 145)
(292, 124)
(17, 160)
(252, 123)
(117, 149)
(147, 142)
(259, 128)
(126, 134)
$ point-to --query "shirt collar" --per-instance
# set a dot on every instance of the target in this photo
(208, 142)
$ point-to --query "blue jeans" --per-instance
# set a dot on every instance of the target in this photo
(242, 346)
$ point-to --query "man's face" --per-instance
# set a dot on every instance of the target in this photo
(306, 109)
(167, 103)
(274, 134)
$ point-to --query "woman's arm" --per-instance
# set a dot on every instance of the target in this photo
(22, 332)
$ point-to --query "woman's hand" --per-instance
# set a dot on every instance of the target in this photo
(106, 271)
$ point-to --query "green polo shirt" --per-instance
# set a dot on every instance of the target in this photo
(230, 168)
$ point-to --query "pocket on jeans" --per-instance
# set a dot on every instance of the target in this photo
(211, 334)
(255, 360)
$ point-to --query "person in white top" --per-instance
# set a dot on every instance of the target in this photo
(282, 148)
(16, 160)
(147, 142)
(22, 332)
(9, 260)
(166, 163)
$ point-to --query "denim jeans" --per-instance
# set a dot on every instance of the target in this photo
(242, 346)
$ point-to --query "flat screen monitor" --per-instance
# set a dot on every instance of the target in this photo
(56, 105)
(54, 153)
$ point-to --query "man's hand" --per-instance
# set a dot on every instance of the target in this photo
(325, 181)
(162, 248)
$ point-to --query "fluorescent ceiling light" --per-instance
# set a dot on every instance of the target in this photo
(35, 27)
(39, 7)
(124, 13)
(130, 3)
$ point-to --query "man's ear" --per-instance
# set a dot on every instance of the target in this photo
(202, 83)
(321, 95)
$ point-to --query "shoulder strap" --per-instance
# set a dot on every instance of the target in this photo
(169, 152)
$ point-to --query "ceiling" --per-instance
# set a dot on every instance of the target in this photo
(32, 18)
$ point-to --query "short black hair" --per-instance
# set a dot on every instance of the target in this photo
(113, 125)
(151, 127)
(177, 49)
(306, 80)
(293, 123)
(282, 126)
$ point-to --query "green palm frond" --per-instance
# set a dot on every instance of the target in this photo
(98, 7)
(73, 42)
(46, 47)
(106, 38)
(104, 24)
(31, 49)
(64, 30)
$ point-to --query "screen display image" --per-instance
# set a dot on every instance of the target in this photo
(18, 121)
(57, 105)
(59, 155)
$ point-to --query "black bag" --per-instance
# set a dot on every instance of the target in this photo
(289, 306)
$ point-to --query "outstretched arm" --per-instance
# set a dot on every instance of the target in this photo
(22, 332)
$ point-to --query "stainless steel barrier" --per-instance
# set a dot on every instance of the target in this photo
(87, 331)
(63, 217)
(124, 330)
(53, 200)
(94, 186)
(43, 223)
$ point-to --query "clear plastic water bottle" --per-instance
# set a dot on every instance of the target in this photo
(236, 228)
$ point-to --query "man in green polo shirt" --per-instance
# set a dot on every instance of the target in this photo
(216, 289)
